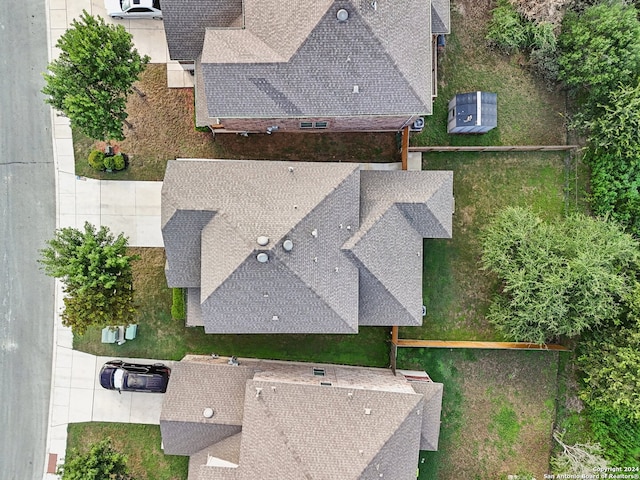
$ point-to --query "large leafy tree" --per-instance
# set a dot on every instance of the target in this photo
(614, 157)
(558, 279)
(96, 271)
(90, 80)
(100, 462)
(600, 48)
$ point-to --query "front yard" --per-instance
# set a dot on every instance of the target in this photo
(141, 443)
(161, 337)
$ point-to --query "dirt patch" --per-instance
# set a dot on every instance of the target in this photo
(331, 147)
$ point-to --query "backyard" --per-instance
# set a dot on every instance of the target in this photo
(455, 291)
(529, 112)
(497, 413)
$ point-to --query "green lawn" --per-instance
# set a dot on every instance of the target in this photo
(161, 337)
(141, 443)
(528, 112)
(455, 291)
(497, 412)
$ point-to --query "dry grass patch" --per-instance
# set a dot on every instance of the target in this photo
(497, 413)
(163, 129)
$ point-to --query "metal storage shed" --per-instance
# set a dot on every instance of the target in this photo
(475, 112)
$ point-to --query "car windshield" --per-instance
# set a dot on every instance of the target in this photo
(125, 4)
(118, 378)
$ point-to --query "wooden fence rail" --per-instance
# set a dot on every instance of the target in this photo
(473, 344)
(495, 148)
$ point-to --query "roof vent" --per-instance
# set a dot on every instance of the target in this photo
(290, 169)
(314, 233)
(342, 15)
(262, 257)
(287, 245)
(208, 412)
(275, 317)
(356, 89)
(262, 240)
(258, 391)
(367, 411)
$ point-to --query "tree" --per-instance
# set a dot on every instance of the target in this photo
(557, 278)
(610, 361)
(579, 460)
(90, 80)
(614, 157)
(600, 49)
(96, 271)
(100, 462)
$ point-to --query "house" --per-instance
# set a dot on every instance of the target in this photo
(273, 420)
(338, 65)
(299, 247)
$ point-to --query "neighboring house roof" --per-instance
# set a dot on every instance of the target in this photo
(364, 423)
(185, 23)
(432, 393)
(440, 16)
(356, 243)
(297, 59)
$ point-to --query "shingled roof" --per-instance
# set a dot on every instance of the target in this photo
(297, 59)
(355, 243)
(352, 422)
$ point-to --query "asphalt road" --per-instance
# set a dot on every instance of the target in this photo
(27, 219)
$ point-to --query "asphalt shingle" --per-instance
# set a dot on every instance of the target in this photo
(349, 423)
(356, 241)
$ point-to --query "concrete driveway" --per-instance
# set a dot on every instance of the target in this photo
(78, 396)
(148, 35)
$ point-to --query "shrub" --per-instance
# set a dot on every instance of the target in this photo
(96, 160)
(507, 30)
(109, 162)
(614, 158)
(119, 162)
(618, 436)
(510, 32)
(178, 311)
(600, 49)
(558, 279)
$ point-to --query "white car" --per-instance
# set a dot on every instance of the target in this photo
(123, 9)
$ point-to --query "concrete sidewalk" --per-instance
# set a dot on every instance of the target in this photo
(129, 207)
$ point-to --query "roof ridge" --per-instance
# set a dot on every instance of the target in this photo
(362, 242)
(393, 433)
(285, 440)
(360, 264)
